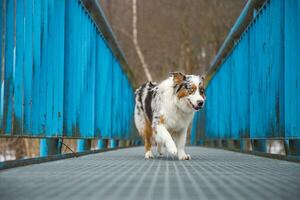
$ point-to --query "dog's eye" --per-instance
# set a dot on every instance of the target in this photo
(191, 90)
(202, 90)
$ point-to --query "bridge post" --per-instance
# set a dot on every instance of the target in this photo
(83, 145)
(245, 144)
(122, 143)
(292, 147)
(102, 144)
(200, 142)
(137, 142)
(259, 145)
(113, 143)
(127, 143)
(50, 146)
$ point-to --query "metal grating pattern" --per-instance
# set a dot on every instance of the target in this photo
(124, 174)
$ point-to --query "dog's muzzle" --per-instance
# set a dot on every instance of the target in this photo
(200, 105)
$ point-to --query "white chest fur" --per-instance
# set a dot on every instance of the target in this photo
(176, 120)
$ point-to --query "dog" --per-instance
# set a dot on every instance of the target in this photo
(164, 112)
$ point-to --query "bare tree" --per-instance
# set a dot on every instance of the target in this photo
(160, 36)
(135, 40)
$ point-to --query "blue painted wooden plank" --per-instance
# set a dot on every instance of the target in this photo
(58, 57)
(109, 100)
(239, 90)
(253, 80)
(36, 68)
(92, 76)
(2, 34)
(2, 15)
(7, 91)
(99, 88)
(50, 68)
(82, 73)
(28, 63)
(194, 129)
(114, 104)
(117, 106)
(212, 110)
(292, 71)
(106, 93)
(87, 96)
(70, 74)
(124, 101)
(75, 100)
(18, 113)
(43, 126)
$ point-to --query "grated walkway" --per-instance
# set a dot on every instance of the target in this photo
(124, 174)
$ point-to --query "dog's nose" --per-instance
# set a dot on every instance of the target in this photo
(200, 103)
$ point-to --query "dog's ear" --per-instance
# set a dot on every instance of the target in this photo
(178, 77)
(202, 77)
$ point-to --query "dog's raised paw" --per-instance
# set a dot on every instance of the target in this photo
(171, 148)
(185, 157)
(149, 155)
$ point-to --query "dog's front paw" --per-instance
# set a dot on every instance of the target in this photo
(171, 148)
(184, 157)
(149, 155)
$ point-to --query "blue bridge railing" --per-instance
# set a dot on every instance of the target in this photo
(253, 95)
(62, 74)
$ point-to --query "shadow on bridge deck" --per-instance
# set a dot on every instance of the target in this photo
(124, 174)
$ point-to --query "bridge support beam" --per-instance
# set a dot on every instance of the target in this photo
(113, 143)
(102, 144)
(83, 145)
(50, 146)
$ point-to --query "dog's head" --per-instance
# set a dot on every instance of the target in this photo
(190, 90)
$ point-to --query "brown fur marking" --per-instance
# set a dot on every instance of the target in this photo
(161, 120)
(178, 77)
(147, 133)
(182, 93)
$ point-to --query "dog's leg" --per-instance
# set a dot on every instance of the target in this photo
(147, 133)
(148, 152)
(180, 142)
(164, 138)
(161, 149)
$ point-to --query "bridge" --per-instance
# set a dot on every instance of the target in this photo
(63, 76)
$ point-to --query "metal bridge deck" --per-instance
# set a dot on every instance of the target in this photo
(124, 174)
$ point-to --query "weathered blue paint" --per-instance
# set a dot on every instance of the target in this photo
(50, 146)
(83, 145)
(102, 144)
(8, 71)
(292, 69)
(60, 77)
(113, 143)
(255, 93)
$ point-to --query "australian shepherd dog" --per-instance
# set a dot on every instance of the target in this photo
(163, 112)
